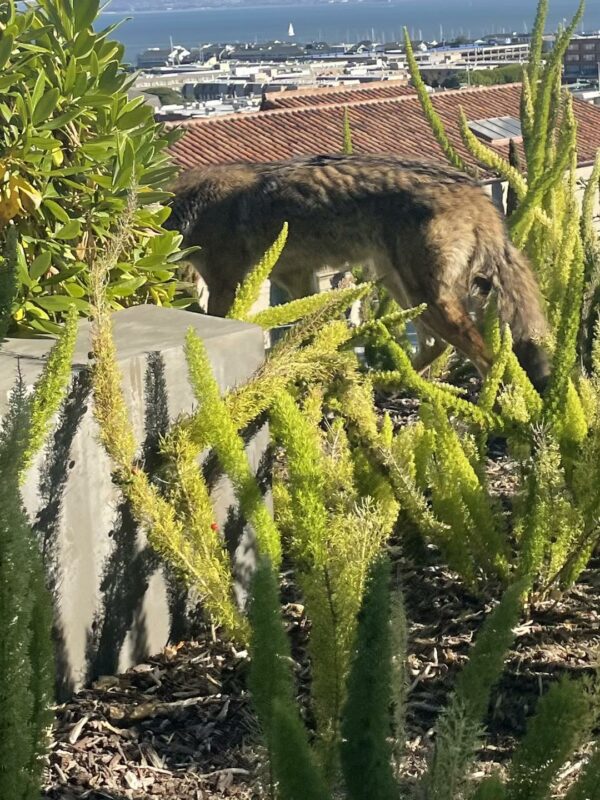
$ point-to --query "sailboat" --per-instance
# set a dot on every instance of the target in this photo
(291, 30)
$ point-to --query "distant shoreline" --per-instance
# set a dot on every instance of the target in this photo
(249, 7)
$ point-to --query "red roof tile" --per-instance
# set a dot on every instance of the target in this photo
(393, 125)
(327, 95)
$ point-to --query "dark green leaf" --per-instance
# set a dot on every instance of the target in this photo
(45, 326)
(46, 106)
(69, 231)
(40, 265)
(62, 119)
(86, 12)
(6, 47)
(132, 119)
(126, 288)
(38, 89)
(22, 271)
(55, 302)
(56, 210)
(84, 44)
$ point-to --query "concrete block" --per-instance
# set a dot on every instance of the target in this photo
(115, 602)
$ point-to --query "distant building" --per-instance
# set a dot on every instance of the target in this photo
(153, 57)
(478, 54)
(582, 59)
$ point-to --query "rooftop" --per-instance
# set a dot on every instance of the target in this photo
(328, 95)
(394, 125)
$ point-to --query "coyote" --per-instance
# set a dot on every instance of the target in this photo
(429, 232)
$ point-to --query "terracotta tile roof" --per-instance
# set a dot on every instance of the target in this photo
(390, 125)
(337, 94)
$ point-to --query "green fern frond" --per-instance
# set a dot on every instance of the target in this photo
(434, 119)
(491, 159)
(348, 149)
(50, 389)
(334, 301)
(248, 292)
(222, 434)
(563, 717)
(535, 49)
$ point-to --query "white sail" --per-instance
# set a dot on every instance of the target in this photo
(291, 30)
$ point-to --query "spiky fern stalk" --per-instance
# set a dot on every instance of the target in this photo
(188, 493)
(543, 178)
(437, 126)
(550, 524)
(535, 50)
(491, 159)
(526, 112)
(348, 149)
(398, 462)
(365, 750)
(459, 727)
(26, 653)
(512, 196)
(200, 566)
(591, 249)
(294, 767)
(562, 404)
(50, 388)
(335, 537)
(248, 292)
(405, 375)
(222, 434)
(562, 720)
(542, 97)
(334, 302)
(461, 500)
(26, 656)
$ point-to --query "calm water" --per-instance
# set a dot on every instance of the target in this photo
(337, 23)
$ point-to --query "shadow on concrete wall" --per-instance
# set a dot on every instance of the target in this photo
(131, 563)
(54, 474)
(128, 568)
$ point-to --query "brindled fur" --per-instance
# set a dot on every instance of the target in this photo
(429, 232)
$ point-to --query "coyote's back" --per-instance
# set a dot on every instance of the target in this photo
(430, 232)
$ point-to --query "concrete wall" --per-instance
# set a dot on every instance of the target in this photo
(115, 602)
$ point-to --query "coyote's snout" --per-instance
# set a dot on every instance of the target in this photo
(429, 232)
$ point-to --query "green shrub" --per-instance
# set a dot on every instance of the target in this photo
(26, 657)
(555, 524)
(564, 717)
(71, 147)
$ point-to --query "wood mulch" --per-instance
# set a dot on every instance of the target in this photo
(181, 725)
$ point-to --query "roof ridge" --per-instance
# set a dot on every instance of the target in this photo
(306, 91)
(401, 98)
